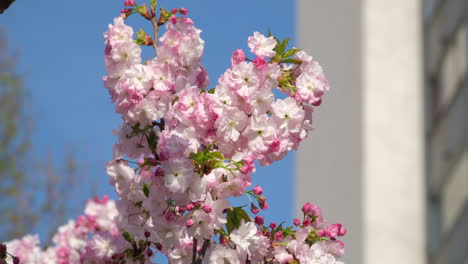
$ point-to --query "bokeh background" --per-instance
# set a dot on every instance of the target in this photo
(388, 157)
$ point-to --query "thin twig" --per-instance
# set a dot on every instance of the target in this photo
(154, 21)
(205, 246)
(194, 251)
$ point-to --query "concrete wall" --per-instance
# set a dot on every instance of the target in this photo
(364, 163)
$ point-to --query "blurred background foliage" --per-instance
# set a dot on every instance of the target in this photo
(33, 189)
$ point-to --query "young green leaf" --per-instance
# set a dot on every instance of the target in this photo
(234, 218)
(146, 190)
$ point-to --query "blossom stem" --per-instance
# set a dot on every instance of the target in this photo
(194, 252)
(154, 21)
(205, 246)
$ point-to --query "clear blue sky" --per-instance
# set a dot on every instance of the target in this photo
(61, 49)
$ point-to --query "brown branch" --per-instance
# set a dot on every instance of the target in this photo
(154, 21)
(194, 251)
(205, 246)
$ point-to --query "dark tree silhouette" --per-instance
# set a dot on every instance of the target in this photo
(5, 4)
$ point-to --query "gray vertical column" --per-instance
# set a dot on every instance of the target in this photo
(364, 163)
(329, 162)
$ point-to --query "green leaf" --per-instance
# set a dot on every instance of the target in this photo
(281, 46)
(128, 237)
(152, 140)
(287, 231)
(153, 4)
(146, 189)
(290, 53)
(234, 218)
(217, 154)
(294, 61)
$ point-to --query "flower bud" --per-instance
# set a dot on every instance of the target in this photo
(332, 230)
(306, 222)
(173, 19)
(222, 240)
(260, 63)
(16, 260)
(129, 3)
(321, 233)
(126, 12)
(190, 206)
(259, 220)
(317, 103)
(307, 208)
(237, 57)
(263, 205)
(254, 209)
(189, 222)
(258, 190)
(207, 208)
(183, 11)
(174, 11)
(279, 235)
(147, 234)
(343, 231)
(296, 222)
(158, 246)
(182, 209)
(149, 252)
(273, 225)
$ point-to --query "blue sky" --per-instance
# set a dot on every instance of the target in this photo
(61, 51)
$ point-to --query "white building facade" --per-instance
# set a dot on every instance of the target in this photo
(389, 156)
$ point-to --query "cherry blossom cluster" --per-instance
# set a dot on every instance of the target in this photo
(194, 147)
(185, 148)
(73, 242)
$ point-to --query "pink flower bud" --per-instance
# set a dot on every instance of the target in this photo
(183, 11)
(317, 103)
(273, 225)
(190, 206)
(189, 222)
(343, 231)
(263, 205)
(147, 234)
(321, 233)
(158, 246)
(307, 208)
(107, 50)
(126, 11)
(222, 240)
(207, 208)
(257, 190)
(259, 220)
(237, 57)
(182, 209)
(296, 222)
(174, 11)
(279, 235)
(260, 63)
(129, 3)
(249, 165)
(261, 199)
(159, 172)
(254, 209)
(170, 216)
(333, 230)
(306, 222)
(173, 19)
